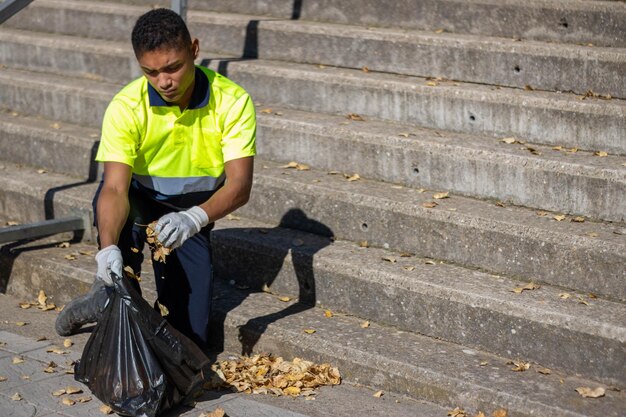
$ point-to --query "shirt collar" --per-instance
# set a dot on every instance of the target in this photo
(199, 97)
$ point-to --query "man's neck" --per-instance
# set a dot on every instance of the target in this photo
(183, 103)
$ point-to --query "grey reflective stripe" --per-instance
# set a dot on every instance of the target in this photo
(179, 185)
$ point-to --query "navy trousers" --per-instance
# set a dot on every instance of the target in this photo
(185, 281)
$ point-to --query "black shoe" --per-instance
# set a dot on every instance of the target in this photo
(82, 310)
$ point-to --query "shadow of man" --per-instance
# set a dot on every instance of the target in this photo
(257, 269)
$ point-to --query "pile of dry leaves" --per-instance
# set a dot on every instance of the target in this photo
(266, 374)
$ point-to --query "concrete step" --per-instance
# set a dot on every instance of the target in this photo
(514, 241)
(468, 165)
(495, 61)
(509, 240)
(378, 356)
(538, 117)
(479, 166)
(598, 23)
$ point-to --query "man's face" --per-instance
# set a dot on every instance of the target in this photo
(171, 72)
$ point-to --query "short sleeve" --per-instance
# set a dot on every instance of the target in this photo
(120, 139)
(239, 134)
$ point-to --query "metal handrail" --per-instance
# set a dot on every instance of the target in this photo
(180, 7)
(9, 7)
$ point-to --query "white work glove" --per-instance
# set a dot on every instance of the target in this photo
(173, 229)
(109, 261)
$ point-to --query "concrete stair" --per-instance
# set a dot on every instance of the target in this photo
(435, 283)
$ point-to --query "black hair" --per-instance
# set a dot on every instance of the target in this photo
(159, 28)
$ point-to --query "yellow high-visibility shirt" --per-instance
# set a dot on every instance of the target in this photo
(174, 152)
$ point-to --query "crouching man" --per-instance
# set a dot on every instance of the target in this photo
(177, 146)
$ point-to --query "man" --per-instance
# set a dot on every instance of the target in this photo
(177, 146)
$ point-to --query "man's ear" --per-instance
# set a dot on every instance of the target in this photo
(195, 48)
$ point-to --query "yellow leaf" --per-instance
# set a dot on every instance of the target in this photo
(500, 413)
(68, 401)
(457, 412)
(582, 301)
(163, 309)
(364, 244)
(328, 313)
(356, 117)
(431, 84)
(484, 363)
(564, 295)
(378, 394)
(3, 378)
(267, 111)
(557, 148)
(232, 217)
(429, 204)
(440, 30)
(70, 257)
(440, 196)
(42, 298)
(309, 331)
(68, 343)
(480, 414)
(591, 393)
(16, 397)
(509, 141)
(544, 371)
(409, 268)
(25, 305)
(365, 69)
(58, 393)
(520, 366)
(406, 135)
(578, 219)
(294, 391)
(389, 259)
(73, 390)
(354, 177)
(218, 412)
(530, 286)
(17, 360)
(84, 399)
(21, 323)
(365, 324)
(105, 409)
(559, 217)
(284, 299)
(500, 204)
(601, 153)
(542, 213)
(89, 252)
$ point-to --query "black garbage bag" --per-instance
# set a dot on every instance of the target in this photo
(135, 361)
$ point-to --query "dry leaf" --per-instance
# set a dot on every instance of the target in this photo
(429, 262)
(84, 399)
(41, 171)
(163, 310)
(591, 393)
(159, 252)
(564, 295)
(389, 259)
(328, 313)
(365, 324)
(500, 204)
(293, 391)
(544, 371)
(68, 401)
(70, 257)
(364, 244)
(440, 30)
(3, 378)
(429, 204)
(218, 412)
(378, 394)
(542, 213)
(73, 390)
(309, 331)
(284, 299)
(528, 87)
(484, 363)
(105, 409)
(354, 177)
(581, 300)
(67, 343)
(440, 196)
(559, 217)
(520, 366)
(17, 360)
(557, 148)
(267, 111)
(457, 412)
(356, 117)
(529, 286)
(42, 298)
(578, 219)
(431, 84)
(56, 350)
(480, 414)
(25, 305)
(533, 150)
(406, 135)
(21, 323)
(601, 153)
(58, 393)
(86, 252)
(409, 268)
(232, 217)
(16, 397)
(500, 413)
(509, 141)
(365, 69)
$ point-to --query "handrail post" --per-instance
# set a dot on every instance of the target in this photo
(9, 7)
(180, 7)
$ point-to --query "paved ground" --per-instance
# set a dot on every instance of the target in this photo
(25, 353)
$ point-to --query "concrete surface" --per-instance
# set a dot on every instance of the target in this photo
(598, 23)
